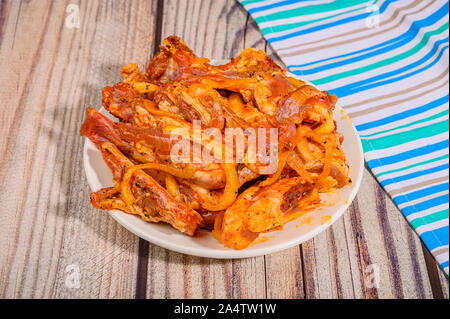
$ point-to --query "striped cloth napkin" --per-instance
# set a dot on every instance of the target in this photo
(388, 62)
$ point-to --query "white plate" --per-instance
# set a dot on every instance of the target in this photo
(294, 233)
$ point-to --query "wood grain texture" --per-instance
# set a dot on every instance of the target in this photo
(215, 29)
(50, 73)
(444, 282)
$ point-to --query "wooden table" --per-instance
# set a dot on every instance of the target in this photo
(51, 71)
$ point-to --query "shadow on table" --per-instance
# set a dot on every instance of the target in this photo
(70, 194)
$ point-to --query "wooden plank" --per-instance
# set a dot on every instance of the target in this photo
(403, 248)
(50, 73)
(215, 30)
(444, 282)
(438, 280)
(288, 283)
(375, 234)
